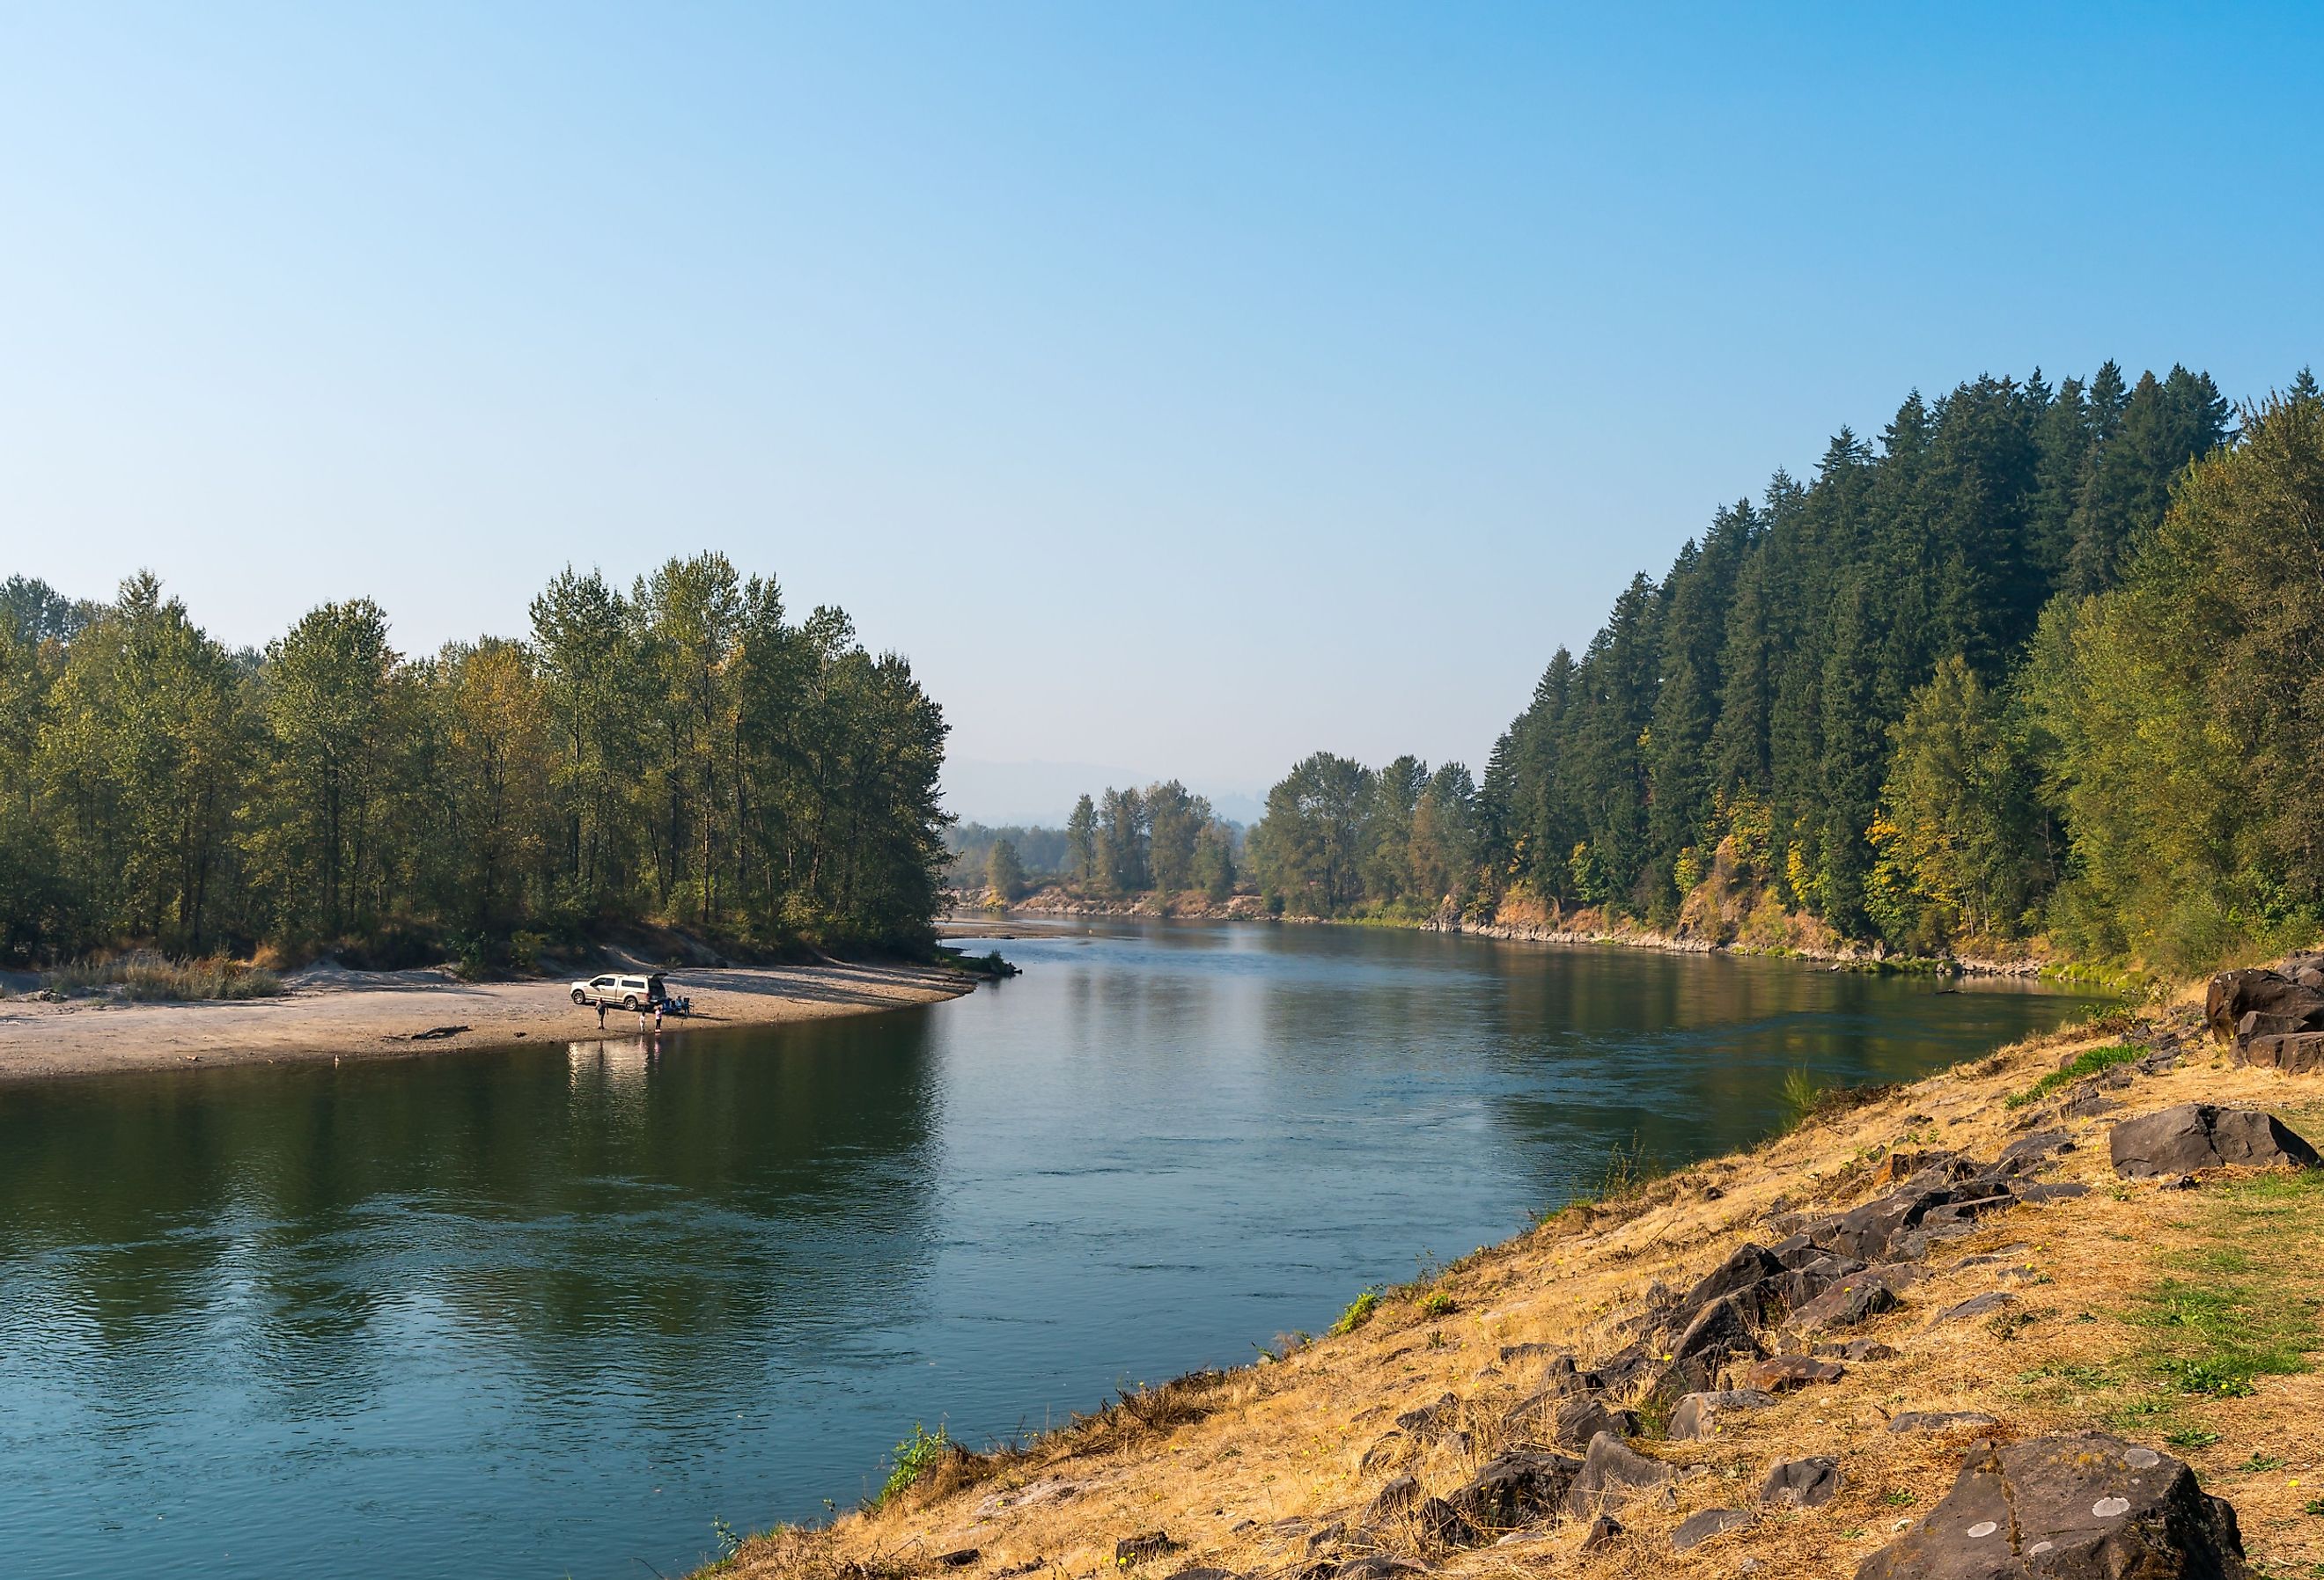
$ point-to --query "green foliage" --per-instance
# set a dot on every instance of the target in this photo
(1004, 875)
(2088, 1062)
(1359, 1312)
(1436, 1303)
(680, 753)
(913, 1458)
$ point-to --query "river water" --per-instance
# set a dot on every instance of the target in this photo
(550, 1311)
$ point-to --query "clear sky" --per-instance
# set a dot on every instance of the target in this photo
(1183, 388)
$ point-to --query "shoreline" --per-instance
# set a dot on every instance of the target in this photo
(333, 1013)
(1846, 957)
(2029, 1318)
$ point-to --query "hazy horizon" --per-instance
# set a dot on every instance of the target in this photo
(1182, 390)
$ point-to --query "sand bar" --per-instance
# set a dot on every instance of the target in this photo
(330, 1012)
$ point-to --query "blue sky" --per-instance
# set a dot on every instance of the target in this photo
(1183, 388)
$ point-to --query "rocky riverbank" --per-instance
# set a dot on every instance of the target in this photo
(2049, 1313)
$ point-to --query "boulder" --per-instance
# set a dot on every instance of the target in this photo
(2233, 994)
(1783, 1374)
(2026, 1153)
(1856, 1349)
(1746, 1266)
(1603, 1532)
(1391, 1500)
(2299, 1053)
(1983, 1305)
(2190, 1136)
(1721, 1335)
(1515, 1488)
(1846, 1304)
(1429, 1419)
(1376, 1566)
(1580, 1419)
(1802, 1484)
(1437, 1520)
(1697, 1529)
(1696, 1415)
(1913, 1422)
(2087, 1504)
(1612, 1475)
(1139, 1549)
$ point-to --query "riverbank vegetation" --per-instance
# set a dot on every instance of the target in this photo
(680, 752)
(2039, 667)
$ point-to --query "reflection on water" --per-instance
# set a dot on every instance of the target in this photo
(550, 1309)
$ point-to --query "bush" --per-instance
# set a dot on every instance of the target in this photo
(1359, 1312)
(915, 1456)
(2089, 1063)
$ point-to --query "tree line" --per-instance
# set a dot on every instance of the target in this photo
(680, 752)
(2041, 661)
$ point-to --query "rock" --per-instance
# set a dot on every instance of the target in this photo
(1429, 1419)
(1139, 1549)
(1438, 1522)
(2190, 1136)
(1530, 1352)
(1603, 1532)
(1749, 1265)
(1696, 1415)
(1853, 1300)
(1329, 1536)
(1515, 1488)
(1392, 1500)
(2233, 994)
(1719, 1336)
(1612, 1473)
(1924, 1421)
(958, 1559)
(1783, 1374)
(1975, 1306)
(2026, 1153)
(1378, 1566)
(1196, 1572)
(2298, 1053)
(1697, 1529)
(2049, 1191)
(1580, 1419)
(1391, 1448)
(1856, 1349)
(2084, 1505)
(1802, 1484)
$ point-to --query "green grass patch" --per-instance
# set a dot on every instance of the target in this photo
(2239, 1305)
(2089, 1063)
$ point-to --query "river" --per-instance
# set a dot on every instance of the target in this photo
(546, 1311)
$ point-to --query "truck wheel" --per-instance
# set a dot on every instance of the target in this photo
(628, 1001)
(579, 997)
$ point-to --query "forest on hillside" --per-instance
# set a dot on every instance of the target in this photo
(2039, 662)
(681, 751)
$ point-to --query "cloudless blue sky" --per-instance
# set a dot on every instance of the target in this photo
(1182, 388)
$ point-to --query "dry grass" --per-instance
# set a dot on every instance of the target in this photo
(1241, 1466)
(147, 976)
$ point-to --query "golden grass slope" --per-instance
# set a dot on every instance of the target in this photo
(2138, 1308)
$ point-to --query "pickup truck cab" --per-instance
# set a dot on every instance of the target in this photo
(631, 993)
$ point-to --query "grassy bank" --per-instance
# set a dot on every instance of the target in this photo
(2183, 1318)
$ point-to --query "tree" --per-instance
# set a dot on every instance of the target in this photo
(1308, 846)
(1122, 842)
(329, 705)
(1081, 841)
(1004, 874)
(1174, 822)
(1214, 871)
(1955, 837)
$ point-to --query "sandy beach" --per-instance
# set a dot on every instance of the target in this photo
(330, 1012)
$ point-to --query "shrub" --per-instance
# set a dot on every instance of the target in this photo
(148, 976)
(2087, 1063)
(1359, 1312)
(915, 1456)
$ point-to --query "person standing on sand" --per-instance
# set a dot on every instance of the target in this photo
(601, 1014)
(657, 1016)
